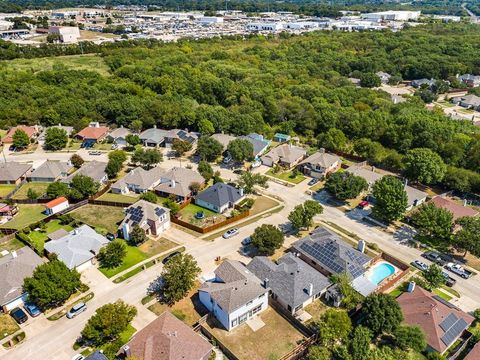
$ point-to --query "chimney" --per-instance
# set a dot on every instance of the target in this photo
(310, 289)
(266, 283)
(126, 351)
(14, 254)
(321, 150)
(240, 190)
(361, 246)
(155, 126)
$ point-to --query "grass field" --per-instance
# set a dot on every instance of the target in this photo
(6, 189)
(11, 245)
(287, 176)
(38, 238)
(74, 62)
(105, 218)
(189, 211)
(39, 187)
(8, 326)
(27, 214)
(119, 198)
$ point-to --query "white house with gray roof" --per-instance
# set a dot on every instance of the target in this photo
(259, 143)
(78, 248)
(285, 155)
(468, 101)
(320, 164)
(138, 181)
(177, 182)
(119, 136)
(293, 283)
(219, 197)
(50, 171)
(93, 169)
(12, 172)
(235, 295)
(155, 137)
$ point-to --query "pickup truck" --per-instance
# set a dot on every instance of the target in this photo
(459, 270)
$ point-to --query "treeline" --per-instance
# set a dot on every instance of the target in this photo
(291, 84)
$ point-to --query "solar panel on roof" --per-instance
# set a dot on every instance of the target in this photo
(454, 332)
(448, 322)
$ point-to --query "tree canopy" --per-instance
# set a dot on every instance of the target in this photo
(382, 314)
(267, 238)
(179, 276)
(391, 199)
(345, 185)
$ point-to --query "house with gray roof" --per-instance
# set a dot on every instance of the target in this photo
(259, 143)
(138, 181)
(285, 155)
(155, 137)
(94, 169)
(320, 164)
(470, 80)
(119, 136)
(423, 83)
(151, 218)
(292, 282)
(219, 197)
(235, 295)
(78, 248)
(50, 171)
(223, 139)
(177, 181)
(384, 77)
(97, 355)
(468, 101)
(14, 268)
(12, 172)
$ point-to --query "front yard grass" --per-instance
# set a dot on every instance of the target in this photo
(27, 215)
(153, 247)
(8, 326)
(6, 189)
(263, 203)
(444, 296)
(104, 218)
(287, 176)
(188, 215)
(130, 199)
(272, 341)
(39, 187)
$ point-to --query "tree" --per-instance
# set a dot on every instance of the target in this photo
(302, 215)
(136, 125)
(117, 155)
(381, 314)
(433, 355)
(334, 140)
(267, 238)
(57, 189)
(468, 238)
(77, 161)
(205, 170)
(434, 276)
(433, 223)
(350, 297)
(208, 148)
(370, 80)
(319, 353)
(149, 196)
(20, 139)
(147, 158)
(132, 140)
(172, 205)
(108, 322)
(410, 337)
(181, 147)
(51, 284)
(137, 235)
(82, 187)
(55, 138)
(424, 165)
(334, 326)
(179, 277)
(240, 150)
(345, 185)
(113, 254)
(113, 168)
(205, 127)
(248, 181)
(32, 194)
(195, 187)
(390, 199)
(359, 344)
(427, 95)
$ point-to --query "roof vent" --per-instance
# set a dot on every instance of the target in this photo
(14, 254)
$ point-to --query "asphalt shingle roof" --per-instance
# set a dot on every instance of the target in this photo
(141, 211)
(94, 169)
(322, 159)
(220, 194)
(286, 153)
(144, 179)
(177, 181)
(12, 171)
(51, 169)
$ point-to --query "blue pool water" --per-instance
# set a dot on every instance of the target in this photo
(380, 272)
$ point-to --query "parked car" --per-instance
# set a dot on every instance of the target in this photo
(459, 270)
(170, 256)
(114, 146)
(313, 181)
(12, 148)
(435, 257)
(230, 233)
(238, 171)
(363, 204)
(32, 309)
(256, 164)
(19, 315)
(76, 309)
(420, 265)
(95, 153)
(110, 236)
(247, 240)
(227, 159)
(449, 281)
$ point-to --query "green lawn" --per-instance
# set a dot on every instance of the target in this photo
(119, 198)
(104, 218)
(11, 245)
(39, 187)
(38, 238)
(444, 296)
(27, 215)
(188, 214)
(6, 189)
(8, 326)
(287, 176)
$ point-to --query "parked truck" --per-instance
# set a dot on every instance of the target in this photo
(459, 270)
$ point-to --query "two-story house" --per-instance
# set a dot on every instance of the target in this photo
(153, 219)
(320, 164)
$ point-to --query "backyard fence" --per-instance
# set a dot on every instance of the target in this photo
(306, 331)
(206, 229)
(301, 350)
(218, 343)
(389, 283)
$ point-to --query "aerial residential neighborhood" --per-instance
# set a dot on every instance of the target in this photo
(286, 180)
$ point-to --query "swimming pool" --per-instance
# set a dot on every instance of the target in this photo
(380, 271)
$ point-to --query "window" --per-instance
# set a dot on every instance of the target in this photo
(234, 322)
(256, 309)
(242, 318)
(250, 302)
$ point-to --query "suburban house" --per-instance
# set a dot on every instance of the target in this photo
(56, 205)
(293, 283)
(166, 338)
(78, 248)
(31, 131)
(13, 172)
(285, 155)
(474, 353)
(8, 210)
(415, 197)
(281, 138)
(15, 267)
(183, 135)
(260, 144)
(442, 322)
(138, 180)
(329, 254)
(384, 77)
(177, 182)
(93, 133)
(119, 136)
(94, 169)
(68, 129)
(320, 164)
(470, 80)
(234, 295)
(468, 101)
(153, 219)
(457, 210)
(50, 171)
(420, 83)
(223, 139)
(159, 137)
(219, 197)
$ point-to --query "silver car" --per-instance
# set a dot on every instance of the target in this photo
(232, 232)
(76, 309)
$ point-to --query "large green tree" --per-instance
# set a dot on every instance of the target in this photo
(381, 314)
(302, 215)
(410, 337)
(179, 276)
(83, 186)
(267, 238)
(345, 185)
(20, 139)
(434, 276)
(425, 166)
(57, 189)
(433, 224)
(113, 254)
(147, 157)
(208, 148)
(240, 149)
(55, 138)
(248, 181)
(390, 199)
(359, 343)
(468, 237)
(334, 325)
(205, 169)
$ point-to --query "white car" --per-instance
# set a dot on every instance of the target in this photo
(76, 309)
(256, 164)
(78, 357)
(420, 265)
(230, 233)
